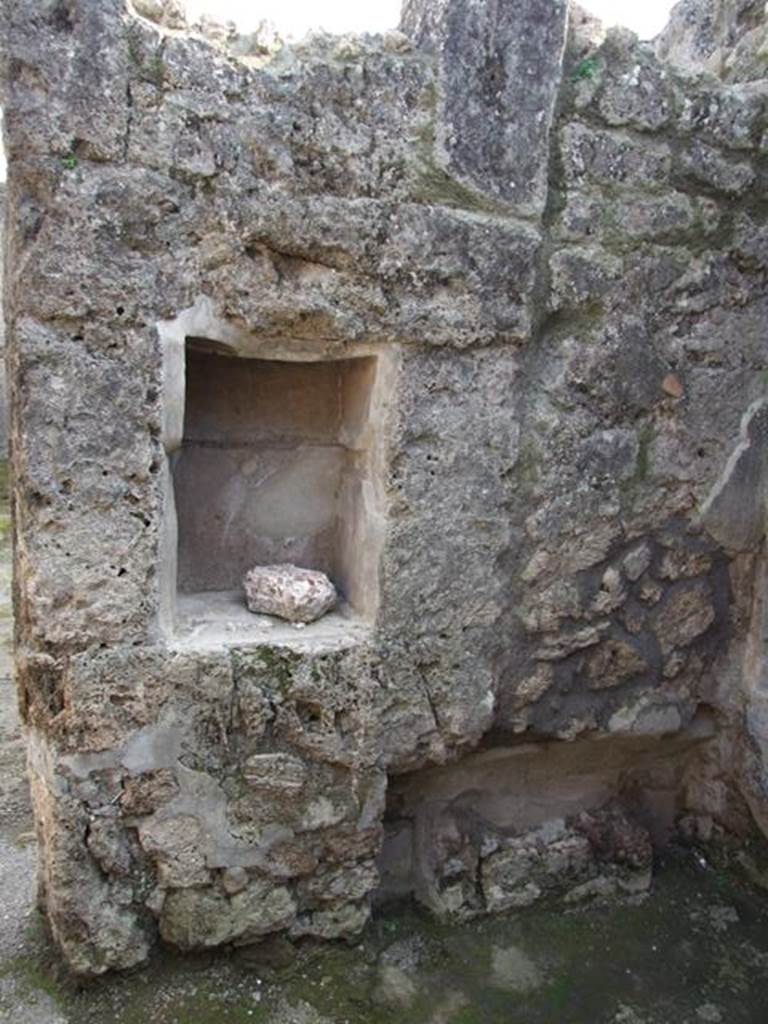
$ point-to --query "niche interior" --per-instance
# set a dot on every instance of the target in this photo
(278, 463)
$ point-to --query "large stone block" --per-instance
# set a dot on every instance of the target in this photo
(500, 70)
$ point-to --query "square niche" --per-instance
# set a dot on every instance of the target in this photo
(278, 463)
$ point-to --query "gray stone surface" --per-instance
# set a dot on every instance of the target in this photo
(3, 373)
(547, 252)
(500, 66)
(714, 35)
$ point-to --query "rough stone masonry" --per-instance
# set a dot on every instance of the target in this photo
(470, 317)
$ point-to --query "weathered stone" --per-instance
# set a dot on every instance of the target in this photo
(733, 511)
(290, 860)
(558, 647)
(338, 886)
(613, 662)
(582, 548)
(644, 718)
(745, 61)
(616, 838)
(610, 595)
(582, 275)
(636, 561)
(107, 843)
(533, 687)
(95, 928)
(234, 880)
(298, 595)
(674, 664)
(635, 90)
(732, 117)
(508, 86)
(597, 847)
(143, 794)
(176, 844)
(561, 600)
(650, 591)
(677, 563)
(201, 918)
(706, 166)
(99, 716)
(701, 33)
(608, 158)
(280, 774)
(347, 920)
(684, 615)
(521, 874)
(672, 386)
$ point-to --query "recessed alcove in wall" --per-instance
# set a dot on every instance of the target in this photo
(279, 461)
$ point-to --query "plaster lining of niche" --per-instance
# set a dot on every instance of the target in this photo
(275, 452)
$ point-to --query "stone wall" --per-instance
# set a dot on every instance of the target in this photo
(3, 385)
(725, 37)
(553, 248)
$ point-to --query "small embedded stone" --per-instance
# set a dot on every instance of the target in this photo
(533, 686)
(613, 662)
(289, 592)
(556, 647)
(610, 595)
(651, 592)
(636, 561)
(677, 564)
(278, 773)
(672, 386)
(646, 719)
(234, 880)
(633, 618)
(685, 615)
(674, 665)
(143, 794)
(396, 42)
(202, 917)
